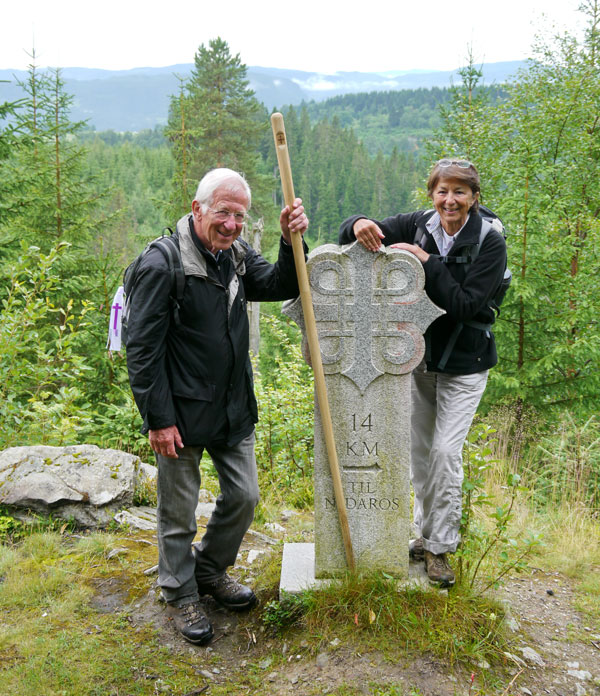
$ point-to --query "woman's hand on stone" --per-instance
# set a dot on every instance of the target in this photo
(422, 255)
(368, 234)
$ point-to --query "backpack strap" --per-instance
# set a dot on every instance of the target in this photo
(169, 248)
(420, 237)
(486, 226)
(454, 337)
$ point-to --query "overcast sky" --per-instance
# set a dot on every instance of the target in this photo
(313, 35)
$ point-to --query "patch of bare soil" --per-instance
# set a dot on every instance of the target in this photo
(554, 649)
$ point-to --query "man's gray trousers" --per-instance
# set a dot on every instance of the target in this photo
(443, 406)
(178, 486)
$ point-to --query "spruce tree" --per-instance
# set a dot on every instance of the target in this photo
(183, 138)
(216, 121)
(51, 202)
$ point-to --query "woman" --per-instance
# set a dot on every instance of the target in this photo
(448, 384)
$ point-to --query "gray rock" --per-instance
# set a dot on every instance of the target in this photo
(532, 657)
(205, 496)
(204, 510)
(322, 660)
(118, 551)
(512, 624)
(253, 554)
(582, 674)
(138, 518)
(515, 658)
(275, 527)
(147, 472)
(82, 482)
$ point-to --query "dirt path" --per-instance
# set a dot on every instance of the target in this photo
(554, 650)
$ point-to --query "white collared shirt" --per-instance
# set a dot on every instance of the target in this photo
(443, 240)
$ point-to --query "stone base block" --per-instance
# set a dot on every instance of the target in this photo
(298, 571)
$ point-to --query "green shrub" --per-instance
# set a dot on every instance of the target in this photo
(284, 433)
(489, 549)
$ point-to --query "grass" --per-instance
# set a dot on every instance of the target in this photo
(369, 612)
(54, 640)
(563, 517)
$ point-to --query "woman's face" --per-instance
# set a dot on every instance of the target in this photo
(453, 199)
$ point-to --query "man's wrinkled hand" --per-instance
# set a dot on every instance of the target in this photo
(165, 440)
(294, 221)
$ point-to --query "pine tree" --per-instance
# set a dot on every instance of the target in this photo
(184, 142)
(221, 123)
(51, 203)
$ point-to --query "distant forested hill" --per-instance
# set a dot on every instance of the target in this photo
(384, 120)
(380, 120)
(132, 100)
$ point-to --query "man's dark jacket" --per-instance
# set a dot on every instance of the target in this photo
(465, 291)
(197, 375)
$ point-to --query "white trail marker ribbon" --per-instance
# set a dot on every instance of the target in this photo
(114, 326)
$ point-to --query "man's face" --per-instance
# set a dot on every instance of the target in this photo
(215, 229)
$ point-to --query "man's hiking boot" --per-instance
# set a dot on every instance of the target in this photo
(416, 550)
(438, 569)
(191, 621)
(229, 592)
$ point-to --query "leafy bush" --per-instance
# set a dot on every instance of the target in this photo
(488, 550)
(286, 612)
(284, 434)
(10, 528)
(40, 400)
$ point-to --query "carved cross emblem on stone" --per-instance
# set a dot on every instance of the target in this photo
(371, 311)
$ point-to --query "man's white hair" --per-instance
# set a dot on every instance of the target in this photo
(220, 178)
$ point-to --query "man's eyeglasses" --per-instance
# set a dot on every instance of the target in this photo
(463, 164)
(223, 215)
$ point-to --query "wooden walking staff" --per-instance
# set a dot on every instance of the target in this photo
(285, 169)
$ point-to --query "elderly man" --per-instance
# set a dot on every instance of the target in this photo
(192, 382)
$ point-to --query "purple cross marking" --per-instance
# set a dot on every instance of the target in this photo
(116, 307)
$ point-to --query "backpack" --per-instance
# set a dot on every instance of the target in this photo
(490, 222)
(169, 248)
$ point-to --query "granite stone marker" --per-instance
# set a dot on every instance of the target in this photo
(371, 312)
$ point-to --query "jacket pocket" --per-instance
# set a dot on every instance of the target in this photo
(195, 390)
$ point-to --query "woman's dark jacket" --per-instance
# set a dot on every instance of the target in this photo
(197, 374)
(463, 290)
